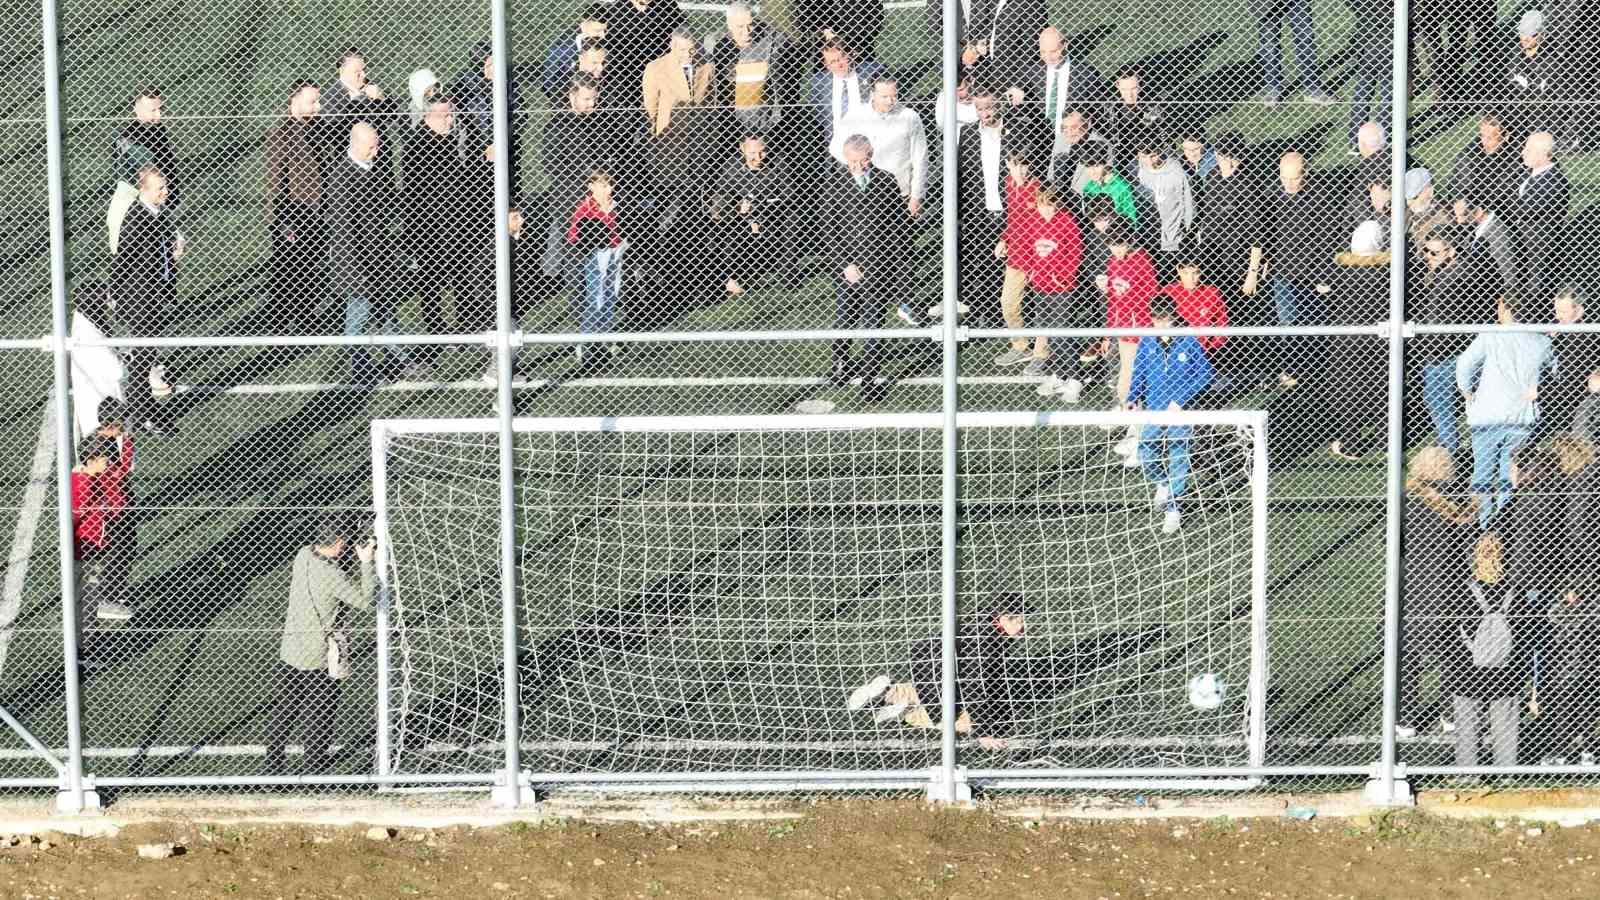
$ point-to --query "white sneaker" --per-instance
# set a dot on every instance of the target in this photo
(159, 387)
(1404, 732)
(110, 611)
(1447, 726)
(890, 713)
(936, 311)
(1171, 522)
(867, 693)
(1073, 392)
(1163, 493)
(1126, 447)
(1050, 386)
(1131, 461)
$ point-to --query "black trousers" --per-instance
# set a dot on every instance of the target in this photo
(298, 285)
(304, 704)
(983, 275)
(858, 306)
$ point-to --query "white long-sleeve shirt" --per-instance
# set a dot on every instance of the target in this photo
(899, 144)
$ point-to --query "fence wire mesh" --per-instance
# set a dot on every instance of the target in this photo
(281, 176)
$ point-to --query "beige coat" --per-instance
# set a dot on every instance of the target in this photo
(664, 89)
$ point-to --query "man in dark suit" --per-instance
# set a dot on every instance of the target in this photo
(982, 151)
(868, 253)
(1004, 34)
(1488, 168)
(144, 280)
(841, 86)
(561, 60)
(1049, 88)
(356, 207)
(578, 140)
(1541, 216)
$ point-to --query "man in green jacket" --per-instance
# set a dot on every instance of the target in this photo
(306, 697)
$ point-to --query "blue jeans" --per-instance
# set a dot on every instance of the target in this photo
(597, 311)
(357, 316)
(1298, 12)
(1492, 446)
(1439, 393)
(1297, 303)
(1164, 455)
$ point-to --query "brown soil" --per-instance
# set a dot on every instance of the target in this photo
(854, 849)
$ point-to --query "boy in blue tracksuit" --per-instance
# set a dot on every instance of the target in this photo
(1167, 373)
(1499, 374)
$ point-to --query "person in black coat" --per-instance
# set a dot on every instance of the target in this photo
(1577, 366)
(982, 204)
(1230, 233)
(577, 141)
(1360, 296)
(1005, 36)
(1049, 88)
(751, 205)
(1531, 527)
(1541, 217)
(1440, 526)
(472, 92)
(356, 210)
(444, 221)
(1488, 168)
(144, 283)
(869, 247)
(1529, 81)
(351, 98)
(855, 24)
(638, 31)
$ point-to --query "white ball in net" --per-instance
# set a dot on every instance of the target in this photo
(1206, 691)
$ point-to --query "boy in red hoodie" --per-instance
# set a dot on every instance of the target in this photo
(97, 454)
(1021, 188)
(1201, 306)
(121, 535)
(595, 241)
(1046, 247)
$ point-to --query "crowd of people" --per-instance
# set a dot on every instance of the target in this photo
(681, 165)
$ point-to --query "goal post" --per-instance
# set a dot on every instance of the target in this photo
(703, 595)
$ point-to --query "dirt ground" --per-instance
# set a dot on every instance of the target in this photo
(843, 849)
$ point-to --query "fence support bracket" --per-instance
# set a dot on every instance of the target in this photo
(512, 791)
(72, 803)
(1394, 793)
(943, 790)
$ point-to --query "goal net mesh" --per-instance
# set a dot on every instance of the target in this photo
(694, 596)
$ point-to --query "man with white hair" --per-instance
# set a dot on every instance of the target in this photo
(752, 61)
(144, 283)
(356, 210)
(1541, 216)
(899, 141)
(866, 256)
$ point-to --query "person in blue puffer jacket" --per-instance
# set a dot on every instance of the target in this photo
(1499, 374)
(1167, 373)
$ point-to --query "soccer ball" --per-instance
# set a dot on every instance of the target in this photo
(1206, 691)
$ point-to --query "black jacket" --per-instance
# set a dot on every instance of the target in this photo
(1298, 230)
(340, 112)
(1580, 538)
(574, 146)
(356, 209)
(1488, 178)
(866, 228)
(435, 195)
(769, 190)
(139, 145)
(1229, 223)
(1530, 91)
(144, 275)
(1541, 220)
(635, 37)
(1577, 355)
(1083, 88)
(1012, 31)
(856, 23)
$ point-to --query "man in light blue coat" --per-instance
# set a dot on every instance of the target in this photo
(1499, 375)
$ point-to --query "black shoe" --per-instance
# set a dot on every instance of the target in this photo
(158, 429)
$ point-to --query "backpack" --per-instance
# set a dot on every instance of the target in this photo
(1490, 642)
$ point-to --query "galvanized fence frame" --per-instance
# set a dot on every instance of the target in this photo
(949, 781)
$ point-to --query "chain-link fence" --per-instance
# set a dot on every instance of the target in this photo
(621, 395)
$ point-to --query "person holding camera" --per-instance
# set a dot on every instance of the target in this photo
(315, 652)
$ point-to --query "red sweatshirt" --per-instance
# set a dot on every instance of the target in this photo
(88, 513)
(1130, 283)
(588, 209)
(1048, 251)
(1019, 199)
(1201, 308)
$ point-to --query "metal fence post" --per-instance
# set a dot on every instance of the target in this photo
(510, 789)
(945, 786)
(73, 797)
(1389, 787)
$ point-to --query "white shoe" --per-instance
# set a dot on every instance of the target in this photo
(867, 693)
(1447, 726)
(890, 713)
(1131, 461)
(1163, 493)
(936, 311)
(1171, 522)
(1050, 386)
(1126, 447)
(111, 611)
(1073, 392)
(159, 387)
(1404, 732)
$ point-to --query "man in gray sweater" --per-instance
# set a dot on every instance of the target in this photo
(1499, 375)
(1165, 186)
(306, 698)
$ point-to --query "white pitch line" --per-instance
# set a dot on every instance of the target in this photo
(33, 496)
(411, 387)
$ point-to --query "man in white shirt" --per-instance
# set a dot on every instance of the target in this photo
(899, 142)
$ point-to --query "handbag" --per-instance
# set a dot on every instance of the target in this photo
(336, 640)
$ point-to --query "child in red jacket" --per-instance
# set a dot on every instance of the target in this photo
(91, 509)
(1202, 306)
(1021, 189)
(1045, 247)
(1129, 283)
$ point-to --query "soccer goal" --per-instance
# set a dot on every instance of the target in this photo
(762, 594)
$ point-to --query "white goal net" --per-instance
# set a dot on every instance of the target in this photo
(764, 593)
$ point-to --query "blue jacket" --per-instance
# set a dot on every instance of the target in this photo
(1172, 373)
(1496, 368)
